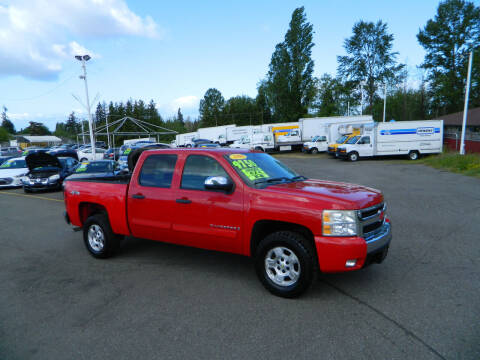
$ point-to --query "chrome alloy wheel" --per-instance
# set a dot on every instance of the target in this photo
(96, 237)
(282, 266)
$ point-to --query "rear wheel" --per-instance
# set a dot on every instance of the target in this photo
(314, 151)
(353, 156)
(285, 264)
(83, 159)
(99, 239)
(413, 155)
(258, 148)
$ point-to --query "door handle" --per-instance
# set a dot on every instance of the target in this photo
(138, 196)
(183, 201)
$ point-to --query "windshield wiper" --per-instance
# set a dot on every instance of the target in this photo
(299, 177)
(268, 181)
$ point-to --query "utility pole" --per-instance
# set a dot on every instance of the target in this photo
(465, 108)
(84, 59)
(384, 101)
(83, 132)
(362, 84)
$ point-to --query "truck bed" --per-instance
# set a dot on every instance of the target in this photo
(109, 194)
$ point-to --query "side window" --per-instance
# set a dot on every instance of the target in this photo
(157, 171)
(197, 168)
(365, 140)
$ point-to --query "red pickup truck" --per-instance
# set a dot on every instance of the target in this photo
(236, 201)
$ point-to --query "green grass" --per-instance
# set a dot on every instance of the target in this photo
(463, 164)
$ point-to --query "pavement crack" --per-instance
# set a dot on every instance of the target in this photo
(388, 318)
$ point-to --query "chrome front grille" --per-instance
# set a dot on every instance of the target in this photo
(371, 220)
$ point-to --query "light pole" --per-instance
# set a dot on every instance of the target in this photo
(362, 84)
(384, 101)
(465, 108)
(84, 59)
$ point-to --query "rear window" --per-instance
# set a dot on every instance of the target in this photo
(157, 171)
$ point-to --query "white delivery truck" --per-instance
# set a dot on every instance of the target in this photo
(216, 134)
(316, 145)
(186, 139)
(344, 125)
(411, 138)
(238, 132)
(329, 126)
(258, 141)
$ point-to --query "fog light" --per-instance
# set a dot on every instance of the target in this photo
(351, 263)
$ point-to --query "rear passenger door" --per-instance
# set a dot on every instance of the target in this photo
(206, 218)
(151, 201)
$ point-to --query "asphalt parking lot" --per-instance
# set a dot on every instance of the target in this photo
(159, 301)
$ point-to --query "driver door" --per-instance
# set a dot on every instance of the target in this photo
(365, 146)
(206, 218)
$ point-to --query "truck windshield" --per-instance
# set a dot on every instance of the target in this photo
(342, 139)
(319, 138)
(260, 169)
(353, 140)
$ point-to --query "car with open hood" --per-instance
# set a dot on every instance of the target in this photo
(95, 169)
(12, 171)
(46, 171)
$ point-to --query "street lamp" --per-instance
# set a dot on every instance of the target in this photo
(84, 59)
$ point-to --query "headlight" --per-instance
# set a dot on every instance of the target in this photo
(54, 177)
(339, 223)
(25, 179)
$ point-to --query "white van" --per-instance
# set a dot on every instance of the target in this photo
(411, 138)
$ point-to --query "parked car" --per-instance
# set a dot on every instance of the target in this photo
(12, 171)
(236, 201)
(95, 169)
(86, 154)
(46, 171)
(31, 150)
(10, 151)
(197, 142)
(208, 145)
(123, 161)
(112, 154)
(64, 152)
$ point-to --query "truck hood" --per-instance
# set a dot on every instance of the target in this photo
(339, 195)
(41, 159)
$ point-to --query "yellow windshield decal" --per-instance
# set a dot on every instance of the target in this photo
(250, 169)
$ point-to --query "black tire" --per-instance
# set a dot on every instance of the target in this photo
(301, 249)
(353, 156)
(413, 155)
(314, 151)
(258, 148)
(84, 159)
(111, 241)
(27, 191)
(188, 145)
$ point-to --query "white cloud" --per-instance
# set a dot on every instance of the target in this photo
(36, 36)
(185, 102)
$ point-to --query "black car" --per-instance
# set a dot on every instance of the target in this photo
(62, 152)
(95, 169)
(47, 171)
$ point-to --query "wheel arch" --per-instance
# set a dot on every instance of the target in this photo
(263, 228)
(87, 209)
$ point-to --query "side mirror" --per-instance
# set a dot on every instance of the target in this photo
(218, 183)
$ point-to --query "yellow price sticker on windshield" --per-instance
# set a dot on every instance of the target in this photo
(255, 173)
(237, 157)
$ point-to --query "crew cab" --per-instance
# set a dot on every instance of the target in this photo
(237, 201)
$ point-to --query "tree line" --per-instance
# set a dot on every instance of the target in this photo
(289, 90)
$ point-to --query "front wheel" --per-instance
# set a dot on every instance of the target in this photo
(83, 159)
(314, 151)
(258, 148)
(285, 264)
(99, 239)
(353, 156)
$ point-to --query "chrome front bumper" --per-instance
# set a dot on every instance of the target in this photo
(381, 239)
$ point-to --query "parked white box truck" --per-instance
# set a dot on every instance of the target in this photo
(331, 126)
(185, 140)
(237, 132)
(216, 134)
(411, 138)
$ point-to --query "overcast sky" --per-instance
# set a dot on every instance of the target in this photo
(170, 51)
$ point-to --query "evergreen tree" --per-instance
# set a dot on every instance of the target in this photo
(448, 39)
(6, 123)
(211, 107)
(36, 128)
(370, 58)
(289, 86)
(180, 117)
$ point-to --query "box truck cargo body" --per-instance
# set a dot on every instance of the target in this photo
(411, 138)
(185, 140)
(216, 134)
(332, 127)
